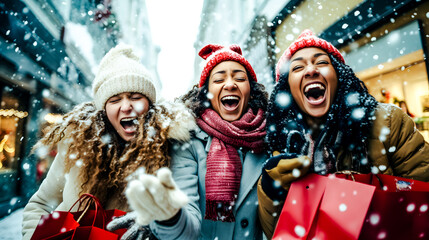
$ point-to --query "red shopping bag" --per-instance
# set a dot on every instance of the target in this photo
(93, 233)
(369, 207)
(398, 210)
(86, 224)
(317, 206)
(55, 226)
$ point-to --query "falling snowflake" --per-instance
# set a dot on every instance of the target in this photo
(283, 100)
(352, 99)
(25, 166)
(296, 172)
(383, 133)
(342, 207)
(382, 235)
(55, 215)
(209, 95)
(79, 163)
(358, 113)
(139, 106)
(106, 139)
(374, 219)
(411, 207)
(375, 170)
(299, 230)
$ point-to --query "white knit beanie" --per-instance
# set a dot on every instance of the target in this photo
(121, 71)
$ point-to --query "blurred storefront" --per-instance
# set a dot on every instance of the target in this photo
(38, 82)
(49, 53)
(383, 41)
(13, 116)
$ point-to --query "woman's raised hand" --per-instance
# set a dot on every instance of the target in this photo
(155, 197)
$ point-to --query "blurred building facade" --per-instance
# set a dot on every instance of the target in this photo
(384, 41)
(246, 23)
(49, 52)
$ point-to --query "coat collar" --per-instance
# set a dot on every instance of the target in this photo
(252, 169)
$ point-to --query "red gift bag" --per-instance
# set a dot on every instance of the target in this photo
(398, 210)
(316, 205)
(86, 224)
(368, 207)
(55, 226)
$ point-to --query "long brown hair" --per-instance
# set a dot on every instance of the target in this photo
(104, 158)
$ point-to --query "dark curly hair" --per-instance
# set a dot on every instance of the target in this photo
(287, 128)
(196, 99)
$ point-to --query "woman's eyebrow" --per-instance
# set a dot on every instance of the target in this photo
(219, 72)
(238, 70)
(319, 54)
(296, 59)
(314, 56)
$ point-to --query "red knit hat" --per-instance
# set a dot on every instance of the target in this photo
(306, 39)
(215, 54)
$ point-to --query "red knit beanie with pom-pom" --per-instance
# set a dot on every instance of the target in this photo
(306, 39)
(215, 54)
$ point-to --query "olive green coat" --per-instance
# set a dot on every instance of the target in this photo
(395, 147)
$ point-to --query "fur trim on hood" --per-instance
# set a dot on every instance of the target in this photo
(181, 122)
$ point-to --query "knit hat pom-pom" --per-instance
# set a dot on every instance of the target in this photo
(208, 50)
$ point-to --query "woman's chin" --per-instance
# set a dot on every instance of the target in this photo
(317, 113)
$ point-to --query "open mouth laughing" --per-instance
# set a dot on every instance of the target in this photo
(129, 124)
(315, 93)
(230, 102)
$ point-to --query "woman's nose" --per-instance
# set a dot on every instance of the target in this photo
(230, 84)
(126, 105)
(311, 71)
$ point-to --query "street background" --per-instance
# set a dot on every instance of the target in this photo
(50, 51)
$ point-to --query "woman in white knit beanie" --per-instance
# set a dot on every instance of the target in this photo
(102, 142)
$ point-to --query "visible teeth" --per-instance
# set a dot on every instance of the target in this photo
(230, 98)
(314, 85)
(127, 119)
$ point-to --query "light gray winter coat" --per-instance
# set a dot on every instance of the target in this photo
(188, 164)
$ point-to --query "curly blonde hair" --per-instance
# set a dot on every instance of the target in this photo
(104, 158)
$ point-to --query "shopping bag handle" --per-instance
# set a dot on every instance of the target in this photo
(350, 173)
(89, 199)
(379, 181)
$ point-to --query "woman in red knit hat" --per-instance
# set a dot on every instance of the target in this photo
(322, 119)
(219, 168)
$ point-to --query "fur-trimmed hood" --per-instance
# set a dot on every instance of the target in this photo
(181, 122)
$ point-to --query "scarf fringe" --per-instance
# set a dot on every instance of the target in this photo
(219, 211)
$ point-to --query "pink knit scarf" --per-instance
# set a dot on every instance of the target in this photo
(224, 166)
